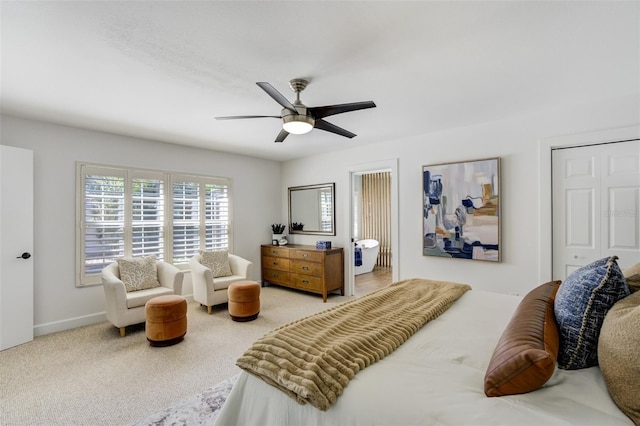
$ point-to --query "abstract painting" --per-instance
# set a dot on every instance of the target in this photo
(461, 210)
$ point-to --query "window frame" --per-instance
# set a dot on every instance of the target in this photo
(84, 279)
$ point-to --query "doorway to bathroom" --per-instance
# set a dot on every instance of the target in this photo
(372, 230)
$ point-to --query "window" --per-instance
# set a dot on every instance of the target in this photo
(186, 220)
(147, 217)
(326, 211)
(103, 234)
(131, 213)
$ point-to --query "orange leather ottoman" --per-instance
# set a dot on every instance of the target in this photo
(244, 300)
(166, 322)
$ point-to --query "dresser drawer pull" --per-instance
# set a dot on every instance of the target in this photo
(274, 251)
(305, 268)
(275, 263)
(276, 275)
(305, 281)
(305, 254)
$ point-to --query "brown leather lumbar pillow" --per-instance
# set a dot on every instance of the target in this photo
(525, 356)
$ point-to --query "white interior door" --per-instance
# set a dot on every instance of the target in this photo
(16, 242)
(596, 200)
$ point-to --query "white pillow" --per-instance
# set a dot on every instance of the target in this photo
(139, 274)
(217, 261)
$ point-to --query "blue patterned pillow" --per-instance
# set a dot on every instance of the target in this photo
(583, 300)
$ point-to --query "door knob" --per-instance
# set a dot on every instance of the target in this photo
(24, 255)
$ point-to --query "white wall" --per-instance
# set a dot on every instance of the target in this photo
(260, 196)
(515, 140)
(58, 303)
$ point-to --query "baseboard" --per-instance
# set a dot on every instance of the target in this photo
(68, 324)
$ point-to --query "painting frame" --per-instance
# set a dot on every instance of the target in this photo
(461, 210)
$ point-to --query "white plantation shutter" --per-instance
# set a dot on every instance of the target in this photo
(326, 210)
(217, 216)
(147, 233)
(186, 220)
(133, 213)
(201, 219)
(103, 219)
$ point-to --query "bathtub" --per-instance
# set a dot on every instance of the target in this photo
(370, 249)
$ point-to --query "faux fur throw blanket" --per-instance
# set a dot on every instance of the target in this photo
(314, 358)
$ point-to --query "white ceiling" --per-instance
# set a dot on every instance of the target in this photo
(164, 70)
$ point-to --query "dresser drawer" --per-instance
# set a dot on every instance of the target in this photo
(279, 263)
(275, 251)
(275, 276)
(306, 282)
(306, 267)
(312, 256)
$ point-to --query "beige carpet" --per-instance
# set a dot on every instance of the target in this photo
(92, 376)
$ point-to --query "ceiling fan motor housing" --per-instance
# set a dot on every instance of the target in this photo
(301, 122)
(297, 123)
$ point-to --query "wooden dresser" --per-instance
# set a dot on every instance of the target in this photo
(304, 268)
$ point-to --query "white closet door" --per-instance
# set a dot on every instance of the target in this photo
(596, 193)
(576, 191)
(620, 195)
(16, 242)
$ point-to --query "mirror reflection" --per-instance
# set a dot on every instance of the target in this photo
(311, 209)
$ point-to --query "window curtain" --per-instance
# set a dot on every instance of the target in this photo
(376, 213)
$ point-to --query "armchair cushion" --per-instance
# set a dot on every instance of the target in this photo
(222, 283)
(139, 274)
(218, 262)
(140, 298)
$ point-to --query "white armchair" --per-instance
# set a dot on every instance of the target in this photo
(210, 291)
(127, 308)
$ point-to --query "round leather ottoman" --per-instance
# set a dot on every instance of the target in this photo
(244, 300)
(166, 320)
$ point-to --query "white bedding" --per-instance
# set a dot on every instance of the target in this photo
(436, 377)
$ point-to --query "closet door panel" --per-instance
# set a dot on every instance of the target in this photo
(620, 212)
(576, 200)
(596, 205)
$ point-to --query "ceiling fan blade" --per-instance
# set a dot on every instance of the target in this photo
(325, 111)
(326, 126)
(236, 117)
(282, 135)
(277, 96)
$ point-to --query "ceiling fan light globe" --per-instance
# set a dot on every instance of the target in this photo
(297, 124)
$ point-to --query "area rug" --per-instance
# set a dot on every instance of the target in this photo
(200, 409)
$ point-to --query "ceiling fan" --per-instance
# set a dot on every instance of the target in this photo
(299, 119)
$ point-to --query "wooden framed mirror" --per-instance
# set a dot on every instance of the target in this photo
(312, 209)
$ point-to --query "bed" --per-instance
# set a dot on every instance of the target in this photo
(438, 376)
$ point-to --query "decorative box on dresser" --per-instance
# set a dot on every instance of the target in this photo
(303, 267)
